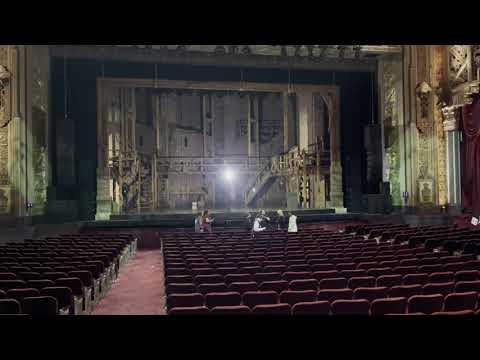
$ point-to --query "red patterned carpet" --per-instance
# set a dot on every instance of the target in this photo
(139, 290)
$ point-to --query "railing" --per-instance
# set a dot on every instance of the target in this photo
(288, 164)
(209, 165)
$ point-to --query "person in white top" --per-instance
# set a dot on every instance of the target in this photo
(257, 227)
(292, 224)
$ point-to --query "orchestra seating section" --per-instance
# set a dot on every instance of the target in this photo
(64, 275)
(380, 269)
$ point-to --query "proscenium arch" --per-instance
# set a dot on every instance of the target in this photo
(329, 93)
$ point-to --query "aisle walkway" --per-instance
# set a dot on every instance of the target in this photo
(139, 290)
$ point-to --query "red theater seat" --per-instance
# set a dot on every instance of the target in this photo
(394, 305)
(312, 308)
(426, 304)
(350, 307)
(277, 309)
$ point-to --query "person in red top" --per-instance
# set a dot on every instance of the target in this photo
(207, 221)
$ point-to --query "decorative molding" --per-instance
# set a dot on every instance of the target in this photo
(458, 64)
(451, 116)
(423, 91)
(471, 91)
(441, 97)
(475, 49)
(5, 102)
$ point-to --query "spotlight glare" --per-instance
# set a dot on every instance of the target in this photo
(228, 174)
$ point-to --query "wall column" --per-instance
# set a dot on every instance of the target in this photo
(304, 116)
(285, 99)
(452, 147)
(336, 176)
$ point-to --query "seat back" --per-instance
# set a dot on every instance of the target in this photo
(276, 309)
(333, 283)
(9, 307)
(231, 310)
(277, 286)
(40, 306)
(212, 288)
(335, 294)
(366, 281)
(350, 307)
(396, 305)
(426, 304)
(75, 284)
(311, 308)
(461, 301)
(370, 293)
(222, 299)
(20, 294)
(293, 297)
(389, 280)
(63, 295)
(185, 300)
(252, 299)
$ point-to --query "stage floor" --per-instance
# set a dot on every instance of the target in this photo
(234, 218)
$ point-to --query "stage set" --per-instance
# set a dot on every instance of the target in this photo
(170, 149)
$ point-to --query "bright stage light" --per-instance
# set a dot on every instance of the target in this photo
(228, 175)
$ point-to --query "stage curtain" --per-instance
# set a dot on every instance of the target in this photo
(470, 157)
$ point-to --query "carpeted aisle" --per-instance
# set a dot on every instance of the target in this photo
(139, 290)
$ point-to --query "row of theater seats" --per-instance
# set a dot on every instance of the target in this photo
(452, 238)
(327, 266)
(65, 275)
(306, 303)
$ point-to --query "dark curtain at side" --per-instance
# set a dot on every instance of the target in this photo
(470, 158)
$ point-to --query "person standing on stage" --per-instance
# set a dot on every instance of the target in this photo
(207, 221)
(198, 223)
(249, 222)
(264, 219)
(125, 192)
(292, 224)
(257, 225)
(280, 219)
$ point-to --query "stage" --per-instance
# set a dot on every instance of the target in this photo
(224, 218)
(236, 218)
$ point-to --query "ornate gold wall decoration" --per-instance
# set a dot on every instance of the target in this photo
(423, 91)
(475, 61)
(39, 91)
(5, 118)
(391, 79)
(458, 64)
(438, 83)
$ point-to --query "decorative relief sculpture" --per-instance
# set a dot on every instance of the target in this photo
(390, 80)
(476, 61)
(451, 115)
(442, 97)
(5, 76)
(423, 94)
(4, 199)
(5, 117)
(458, 69)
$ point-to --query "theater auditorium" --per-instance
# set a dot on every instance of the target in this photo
(185, 180)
